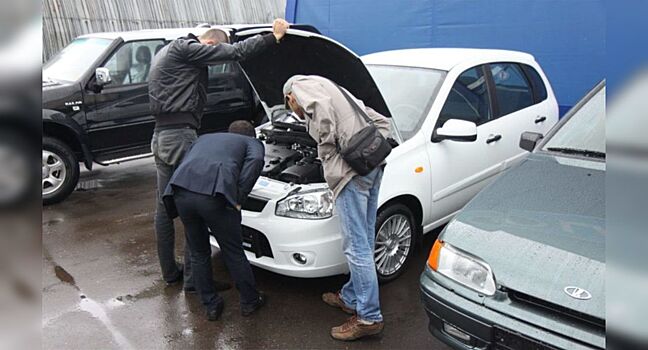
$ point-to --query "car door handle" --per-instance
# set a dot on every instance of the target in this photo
(493, 138)
(540, 119)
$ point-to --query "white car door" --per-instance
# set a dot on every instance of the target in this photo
(461, 168)
(517, 107)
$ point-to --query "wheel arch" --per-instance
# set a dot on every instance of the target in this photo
(71, 135)
(411, 202)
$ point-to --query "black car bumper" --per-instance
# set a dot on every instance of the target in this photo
(464, 324)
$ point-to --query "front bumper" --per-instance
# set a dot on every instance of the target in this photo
(318, 241)
(465, 324)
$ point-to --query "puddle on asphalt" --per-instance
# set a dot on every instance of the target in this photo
(65, 276)
(92, 307)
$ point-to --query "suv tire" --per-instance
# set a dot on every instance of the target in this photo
(396, 235)
(60, 169)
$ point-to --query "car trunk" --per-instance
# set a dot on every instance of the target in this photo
(291, 154)
(541, 228)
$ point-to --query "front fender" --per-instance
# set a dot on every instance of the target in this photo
(70, 130)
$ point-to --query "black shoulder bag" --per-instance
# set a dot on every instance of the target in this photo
(367, 149)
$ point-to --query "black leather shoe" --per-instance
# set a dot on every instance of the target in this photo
(214, 313)
(249, 310)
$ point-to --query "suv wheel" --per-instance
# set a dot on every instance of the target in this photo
(395, 237)
(60, 171)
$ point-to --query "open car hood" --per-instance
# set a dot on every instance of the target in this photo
(307, 53)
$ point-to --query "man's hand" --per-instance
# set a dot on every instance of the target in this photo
(238, 207)
(279, 28)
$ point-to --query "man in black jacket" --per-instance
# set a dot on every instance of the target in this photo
(177, 93)
(207, 191)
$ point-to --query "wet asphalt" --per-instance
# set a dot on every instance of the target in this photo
(102, 287)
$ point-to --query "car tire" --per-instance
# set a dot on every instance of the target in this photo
(396, 236)
(60, 169)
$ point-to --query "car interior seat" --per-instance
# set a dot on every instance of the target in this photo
(143, 59)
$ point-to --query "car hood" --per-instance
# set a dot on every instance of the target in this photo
(541, 228)
(303, 52)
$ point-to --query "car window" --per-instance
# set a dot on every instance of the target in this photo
(131, 63)
(584, 132)
(408, 93)
(75, 59)
(512, 89)
(468, 99)
(536, 81)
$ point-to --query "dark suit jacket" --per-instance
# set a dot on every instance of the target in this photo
(220, 163)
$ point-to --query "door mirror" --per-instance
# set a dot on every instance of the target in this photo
(102, 75)
(456, 130)
(529, 140)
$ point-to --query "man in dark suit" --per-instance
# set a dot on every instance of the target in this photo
(207, 191)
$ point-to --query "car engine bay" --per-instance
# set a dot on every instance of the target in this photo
(290, 152)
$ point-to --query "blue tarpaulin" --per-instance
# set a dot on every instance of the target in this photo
(567, 38)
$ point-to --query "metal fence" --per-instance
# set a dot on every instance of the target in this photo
(63, 20)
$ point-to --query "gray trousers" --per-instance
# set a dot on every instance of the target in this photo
(169, 147)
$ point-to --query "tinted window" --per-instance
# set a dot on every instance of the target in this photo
(512, 89)
(132, 62)
(468, 99)
(407, 92)
(537, 82)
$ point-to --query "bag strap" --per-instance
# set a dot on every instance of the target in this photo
(355, 106)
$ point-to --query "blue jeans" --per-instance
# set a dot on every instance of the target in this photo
(356, 207)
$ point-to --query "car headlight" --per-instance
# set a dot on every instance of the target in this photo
(462, 267)
(316, 204)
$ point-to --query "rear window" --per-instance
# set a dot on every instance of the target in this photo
(512, 88)
(539, 87)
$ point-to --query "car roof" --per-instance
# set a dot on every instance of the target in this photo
(168, 34)
(444, 58)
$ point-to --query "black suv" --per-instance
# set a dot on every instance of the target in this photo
(91, 120)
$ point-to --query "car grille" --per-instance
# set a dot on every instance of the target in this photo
(558, 311)
(256, 242)
(254, 204)
(507, 340)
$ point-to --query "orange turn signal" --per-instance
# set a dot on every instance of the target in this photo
(433, 260)
(419, 169)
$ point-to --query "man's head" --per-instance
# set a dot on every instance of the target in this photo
(213, 36)
(242, 127)
(289, 97)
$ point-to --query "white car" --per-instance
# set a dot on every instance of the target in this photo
(458, 116)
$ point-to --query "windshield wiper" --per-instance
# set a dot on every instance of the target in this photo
(581, 152)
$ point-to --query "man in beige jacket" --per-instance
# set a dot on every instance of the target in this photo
(332, 120)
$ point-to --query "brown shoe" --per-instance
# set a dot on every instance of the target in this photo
(335, 300)
(353, 329)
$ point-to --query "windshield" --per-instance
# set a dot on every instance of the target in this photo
(75, 59)
(408, 92)
(584, 133)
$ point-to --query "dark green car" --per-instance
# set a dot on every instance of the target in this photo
(522, 266)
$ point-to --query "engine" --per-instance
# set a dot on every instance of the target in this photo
(290, 152)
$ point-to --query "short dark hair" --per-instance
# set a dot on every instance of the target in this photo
(242, 127)
(216, 35)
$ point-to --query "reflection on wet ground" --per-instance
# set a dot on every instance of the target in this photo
(102, 285)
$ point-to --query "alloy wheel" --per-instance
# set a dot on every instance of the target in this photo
(393, 243)
(53, 172)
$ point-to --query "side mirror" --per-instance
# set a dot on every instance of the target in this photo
(529, 140)
(102, 75)
(456, 130)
